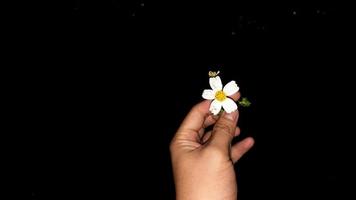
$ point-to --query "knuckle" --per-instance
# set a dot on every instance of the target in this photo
(224, 128)
(172, 146)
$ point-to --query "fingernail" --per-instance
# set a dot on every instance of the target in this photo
(231, 116)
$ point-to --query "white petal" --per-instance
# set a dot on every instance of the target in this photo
(215, 107)
(229, 105)
(208, 94)
(231, 88)
(215, 83)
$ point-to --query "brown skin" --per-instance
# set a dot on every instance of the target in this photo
(203, 162)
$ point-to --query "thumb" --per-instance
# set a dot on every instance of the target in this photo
(224, 131)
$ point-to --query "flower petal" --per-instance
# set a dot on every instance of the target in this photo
(215, 83)
(229, 105)
(215, 107)
(208, 94)
(231, 88)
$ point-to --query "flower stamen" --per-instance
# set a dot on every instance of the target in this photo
(220, 95)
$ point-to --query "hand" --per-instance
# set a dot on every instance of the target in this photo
(203, 161)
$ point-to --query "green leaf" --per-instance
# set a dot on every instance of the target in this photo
(244, 102)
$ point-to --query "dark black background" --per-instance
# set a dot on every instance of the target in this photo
(114, 79)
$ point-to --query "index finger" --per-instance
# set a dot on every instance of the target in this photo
(197, 118)
(194, 121)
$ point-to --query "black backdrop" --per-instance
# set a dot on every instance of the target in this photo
(115, 79)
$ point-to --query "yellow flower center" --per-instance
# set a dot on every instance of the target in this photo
(220, 96)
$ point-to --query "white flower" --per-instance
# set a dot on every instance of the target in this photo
(220, 95)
